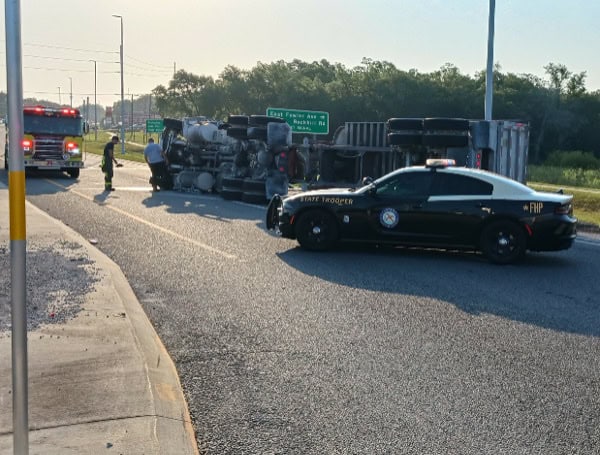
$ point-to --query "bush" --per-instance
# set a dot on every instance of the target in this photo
(589, 178)
(573, 159)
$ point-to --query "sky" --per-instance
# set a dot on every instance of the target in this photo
(60, 38)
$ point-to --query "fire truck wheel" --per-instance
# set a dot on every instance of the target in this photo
(238, 120)
(405, 139)
(263, 120)
(415, 124)
(446, 124)
(445, 140)
(74, 173)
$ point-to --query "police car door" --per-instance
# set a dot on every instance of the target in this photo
(455, 208)
(396, 208)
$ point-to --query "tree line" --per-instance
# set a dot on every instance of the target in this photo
(562, 114)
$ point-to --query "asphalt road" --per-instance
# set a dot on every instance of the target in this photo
(356, 351)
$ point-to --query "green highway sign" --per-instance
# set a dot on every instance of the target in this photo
(154, 125)
(311, 122)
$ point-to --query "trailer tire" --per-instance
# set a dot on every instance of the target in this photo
(445, 140)
(446, 124)
(415, 124)
(253, 186)
(255, 198)
(258, 133)
(238, 132)
(263, 120)
(232, 183)
(231, 195)
(405, 139)
(232, 188)
(241, 120)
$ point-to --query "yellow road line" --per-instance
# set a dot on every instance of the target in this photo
(148, 223)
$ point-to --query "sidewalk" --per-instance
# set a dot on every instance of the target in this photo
(100, 380)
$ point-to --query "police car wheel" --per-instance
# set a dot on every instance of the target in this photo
(316, 230)
(503, 242)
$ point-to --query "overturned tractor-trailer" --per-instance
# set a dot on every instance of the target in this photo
(251, 157)
(245, 158)
(372, 149)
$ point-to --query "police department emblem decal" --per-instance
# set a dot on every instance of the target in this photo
(389, 218)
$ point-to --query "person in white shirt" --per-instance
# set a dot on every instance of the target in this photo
(157, 161)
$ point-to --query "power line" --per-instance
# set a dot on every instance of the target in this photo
(146, 63)
(70, 48)
(67, 59)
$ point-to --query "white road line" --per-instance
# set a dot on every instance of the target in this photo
(588, 242)
(152, 225)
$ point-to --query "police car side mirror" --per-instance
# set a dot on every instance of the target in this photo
(367, 181)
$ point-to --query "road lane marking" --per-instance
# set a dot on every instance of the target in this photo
(148, 223)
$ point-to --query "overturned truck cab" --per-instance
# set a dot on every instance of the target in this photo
(245, 158)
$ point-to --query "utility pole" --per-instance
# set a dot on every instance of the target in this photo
(489, 76)
(59, 99)
(17, 232)
(122, 91)
(95, 105)
(71, 92)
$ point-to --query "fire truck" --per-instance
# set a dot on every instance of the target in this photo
(52, 139)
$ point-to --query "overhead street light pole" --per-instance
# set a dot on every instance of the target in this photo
(17, 232)
(71, 92)
(489, 76)
(95, 105)
(59, 99)
(122, 91)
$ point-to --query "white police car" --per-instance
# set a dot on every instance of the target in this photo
(437, 205)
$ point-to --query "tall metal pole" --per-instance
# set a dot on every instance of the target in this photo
(122, 91)
(489, 76)
(71, 92)
(95, 105)
(18, 246)
(59, 100)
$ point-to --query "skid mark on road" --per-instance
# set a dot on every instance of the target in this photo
(148, 223)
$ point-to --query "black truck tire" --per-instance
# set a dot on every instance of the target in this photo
(263, 120)
(232, 188)
(238, 132)
(255, 198)
(445, 140)
(73, 173)
(238, 120)
(405, 139)
(173, 124)
(446, 124)
(410, 124)
(258, 133)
